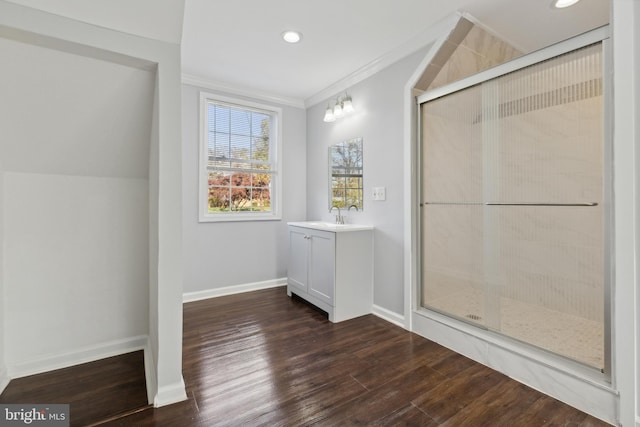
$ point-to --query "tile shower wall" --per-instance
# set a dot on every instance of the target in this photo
(469, 50)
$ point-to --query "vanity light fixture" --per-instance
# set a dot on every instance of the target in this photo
(328, 115)
(342, 107)
(291, 36)
(561, 4)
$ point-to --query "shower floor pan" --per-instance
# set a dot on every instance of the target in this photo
(571, 336)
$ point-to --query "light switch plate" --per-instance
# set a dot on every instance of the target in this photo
(379, 193)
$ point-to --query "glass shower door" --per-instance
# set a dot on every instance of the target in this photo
(512, 205)
(452, 206)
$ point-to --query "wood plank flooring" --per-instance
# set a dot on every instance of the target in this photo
(95, 391)
(264, 359)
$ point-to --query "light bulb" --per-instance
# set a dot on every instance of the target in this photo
(337, 110)
(328, 115)
(347, 105)
(292, 36)
(559, 4)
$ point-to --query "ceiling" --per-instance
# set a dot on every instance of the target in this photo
(237, 44)
(156, 19)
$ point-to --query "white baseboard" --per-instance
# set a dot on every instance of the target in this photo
(165, 395)
(170, 394)
(4, 379)
(388, 315)
(231, 290)
(150, 372)
(76, 357)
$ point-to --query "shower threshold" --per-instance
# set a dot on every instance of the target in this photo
(570, 336)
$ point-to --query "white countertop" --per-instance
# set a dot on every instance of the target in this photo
(330, 226)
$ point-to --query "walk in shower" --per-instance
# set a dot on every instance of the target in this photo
(514, 189)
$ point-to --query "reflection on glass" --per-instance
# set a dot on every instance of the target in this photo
(345, 174)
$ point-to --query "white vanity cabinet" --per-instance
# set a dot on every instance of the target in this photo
(331, 266)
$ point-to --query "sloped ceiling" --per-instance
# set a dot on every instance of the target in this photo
(155, 19)
(68, 114)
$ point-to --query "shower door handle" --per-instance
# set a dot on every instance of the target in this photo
(540, 204)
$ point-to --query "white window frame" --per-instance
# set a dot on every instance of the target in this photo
(276, 181)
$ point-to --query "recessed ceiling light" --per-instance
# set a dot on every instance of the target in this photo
(292, 36)
(560, 4)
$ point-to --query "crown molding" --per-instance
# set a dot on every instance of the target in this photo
(422, 40)
(205, 83)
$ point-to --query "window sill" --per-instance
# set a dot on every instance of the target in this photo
(238, 218)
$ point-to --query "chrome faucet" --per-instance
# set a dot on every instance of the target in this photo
(339, 218)
(353, 206)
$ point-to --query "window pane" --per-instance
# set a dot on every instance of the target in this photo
(261, 191)
(221, 147)
(261, 180)
(221, 119)
(239, 122)
(219, 192)
(240, 150)
(260, 148)
(260, 124)
(240, 179)
(211, 114)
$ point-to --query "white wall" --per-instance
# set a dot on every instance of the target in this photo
(634, 22)
(626, 157)
(166, 293)
(164, 361)
(154, 249)
(75, 146)
(4, 376)
(379, 120)
(76, 265)
(218, 255)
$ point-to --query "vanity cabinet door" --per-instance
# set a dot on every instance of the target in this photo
(298, 259)
(321, 275)
(332, 270)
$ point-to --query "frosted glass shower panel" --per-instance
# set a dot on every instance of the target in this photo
(547, 151)
(512, 200)
(452, 206)
(551, 290)
(543, 128)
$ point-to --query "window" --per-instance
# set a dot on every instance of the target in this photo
(239, 165)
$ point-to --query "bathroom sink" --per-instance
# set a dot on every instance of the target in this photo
(331, 226)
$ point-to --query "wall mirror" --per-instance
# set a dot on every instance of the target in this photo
(345, 174)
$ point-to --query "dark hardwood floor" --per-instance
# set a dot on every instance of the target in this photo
(263, 359)
(111, 387)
